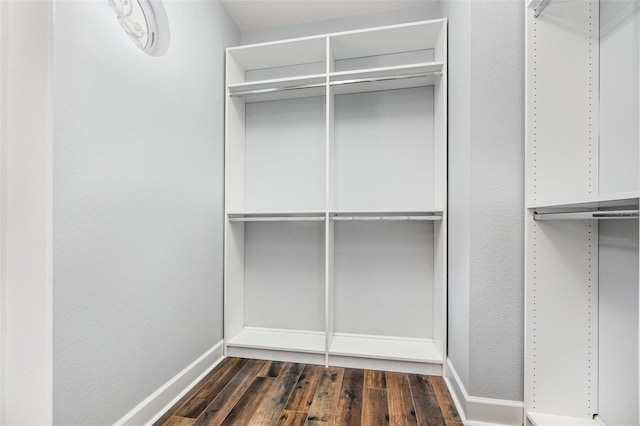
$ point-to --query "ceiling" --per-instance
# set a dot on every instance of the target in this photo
(257, 14)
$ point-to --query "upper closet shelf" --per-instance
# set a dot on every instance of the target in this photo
(281, 88)
(626, 200)
(386, 78)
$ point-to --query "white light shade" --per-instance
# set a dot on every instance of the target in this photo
(145, 22)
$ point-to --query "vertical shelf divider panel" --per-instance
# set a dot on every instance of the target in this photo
(394, 216)
(562, 154)
(330, 236)
(562, 317)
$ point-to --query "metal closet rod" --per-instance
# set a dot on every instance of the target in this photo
(603, 214)
(333, 83)
(386, 217)
(277, 219)
(537, 6)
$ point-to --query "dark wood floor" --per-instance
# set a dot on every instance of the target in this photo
(252, 392)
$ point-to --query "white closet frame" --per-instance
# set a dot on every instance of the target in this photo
(377, 60)
(564, 202)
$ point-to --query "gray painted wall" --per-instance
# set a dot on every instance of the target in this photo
(138, 194)
(486, 195)
(486, 181)
(496, 297)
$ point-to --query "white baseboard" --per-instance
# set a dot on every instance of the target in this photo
(156, 404)
(475, 411)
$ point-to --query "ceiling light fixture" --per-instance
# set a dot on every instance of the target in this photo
(145, 22)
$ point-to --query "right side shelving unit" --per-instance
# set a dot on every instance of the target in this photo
(581, 217)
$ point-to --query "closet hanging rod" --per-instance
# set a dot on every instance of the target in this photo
(386, 78)
(333, 83)
(386, 218)
(276, 89)
(611, 214)
(277, 219)
(537, 6)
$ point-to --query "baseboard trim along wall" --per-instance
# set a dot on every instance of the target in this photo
(475, 411)
(156, 404)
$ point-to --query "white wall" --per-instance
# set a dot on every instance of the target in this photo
(486, 179)
(138, 193)
(25, 226)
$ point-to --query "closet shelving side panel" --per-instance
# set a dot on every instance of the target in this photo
(561, 304)
(561, 358)
(234, 199)
(562, 102)
(440, 173)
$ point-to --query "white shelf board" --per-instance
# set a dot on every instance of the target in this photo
(620, 200)
(542, 419)
(391, 348)
(285, 340)
(280, 88)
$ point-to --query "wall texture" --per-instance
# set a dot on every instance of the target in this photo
(138, 193)
(486, 179)
(496, 326)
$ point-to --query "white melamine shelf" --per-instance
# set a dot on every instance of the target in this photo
(285, 340)
(276, 216)
(280, 88)
(386, 78)
(619, 200)
(380, 347)
(541, 419)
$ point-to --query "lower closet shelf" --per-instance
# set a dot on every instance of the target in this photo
(390, 348)
(541, 419)
(285, 340)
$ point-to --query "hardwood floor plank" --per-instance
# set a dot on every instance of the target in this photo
(271, 369)
(375, 409)
(248, 404)
(242, 392)
(349, 408)
(449, 411)
(425, 402)
(304, 390)
(271, 407)
(179, 421)
(189, 395)
(222, 405)
(326, 397)
(292, 418)
(401, 409)
(197, 404)
(375, 379)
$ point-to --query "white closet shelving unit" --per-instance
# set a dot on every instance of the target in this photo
(336, 183)
(582, 191)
